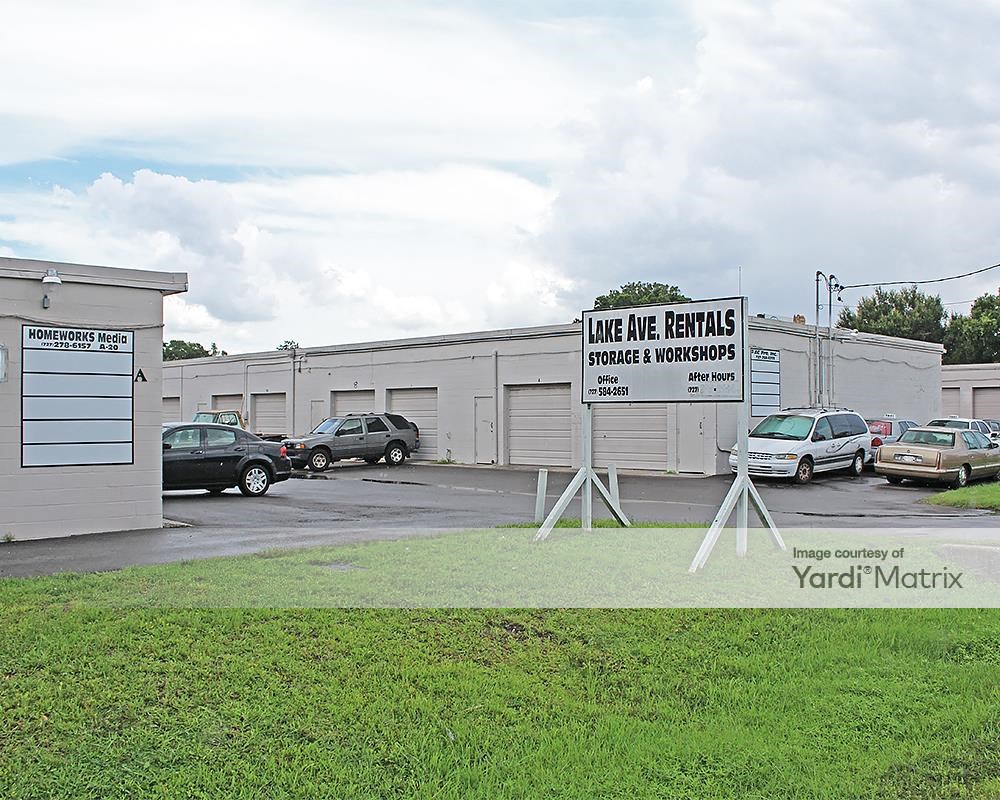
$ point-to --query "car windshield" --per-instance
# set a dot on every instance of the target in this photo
(204, 416)
(783, 426)
(929, 438)
(328, 425)
(948, 423)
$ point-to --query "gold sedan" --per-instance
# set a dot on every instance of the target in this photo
(947, 455)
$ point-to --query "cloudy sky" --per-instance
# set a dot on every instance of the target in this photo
(346, 171)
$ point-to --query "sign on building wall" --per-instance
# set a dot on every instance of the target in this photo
(682, 353)
(765, 382)
(76, 396)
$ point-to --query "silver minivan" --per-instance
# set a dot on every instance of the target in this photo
(799, 442)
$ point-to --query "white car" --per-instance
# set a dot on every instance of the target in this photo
(799, 442)
(962, 424)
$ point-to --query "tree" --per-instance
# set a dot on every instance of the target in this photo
(975, 339)
(288, 344)
(639, 293)
(178, 350)
(906, 313)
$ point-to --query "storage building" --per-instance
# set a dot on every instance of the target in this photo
(513, 396)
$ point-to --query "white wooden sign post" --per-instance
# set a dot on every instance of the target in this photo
(742, 491)
(586, 479)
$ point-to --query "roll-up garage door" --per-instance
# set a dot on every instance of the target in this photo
(539, 425)
(630, 436)
(355, 401)
(227, 402)
(986, 402)
(419, 406)
(268, 414)
(172, 409)
(949, 401)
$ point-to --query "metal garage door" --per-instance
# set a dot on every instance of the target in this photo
(949, 402)
(359, 401)
(630, 436)
(539, 425)
(268, 415)
(227, 402)
(172, 409)
(986, 402)
(419, 406)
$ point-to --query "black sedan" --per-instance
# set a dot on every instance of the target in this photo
(218, 457)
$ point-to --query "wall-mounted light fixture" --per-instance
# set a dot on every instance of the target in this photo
(3, 363)
(49, 284)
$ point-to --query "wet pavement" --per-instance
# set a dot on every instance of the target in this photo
(357, 502)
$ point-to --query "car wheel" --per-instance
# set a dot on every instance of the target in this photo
(804, 471)
(255, 481)
(962, 478)
(319, 460)
(395, 454)
(857, 467)
(373, 460)
(895, 480)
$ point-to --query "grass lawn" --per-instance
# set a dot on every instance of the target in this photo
(107, 691)
(978, 495)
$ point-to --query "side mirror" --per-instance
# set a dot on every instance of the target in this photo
(166, 445)
(994, 445)
(818, 437)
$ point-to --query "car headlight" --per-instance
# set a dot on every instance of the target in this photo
(786, 457)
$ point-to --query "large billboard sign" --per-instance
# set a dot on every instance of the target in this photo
(676, 353)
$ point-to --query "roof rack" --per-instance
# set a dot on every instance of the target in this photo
(817, 408)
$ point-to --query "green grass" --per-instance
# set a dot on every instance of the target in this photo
(979, 495)
(104, 693)
(502, 568)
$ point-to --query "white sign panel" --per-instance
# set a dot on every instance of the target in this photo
(76, 396)
(765, 382)
(680, 353)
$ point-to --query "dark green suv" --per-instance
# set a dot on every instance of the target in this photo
(368, 436)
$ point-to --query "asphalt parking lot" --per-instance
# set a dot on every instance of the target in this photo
(358, 502)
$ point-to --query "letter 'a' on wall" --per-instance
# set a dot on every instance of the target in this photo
(76, 396)
(676, 353)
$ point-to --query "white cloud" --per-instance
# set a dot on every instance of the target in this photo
(317, 259)
(407, 168)
(856, 138)
(346, 85)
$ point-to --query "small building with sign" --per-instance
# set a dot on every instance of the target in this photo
(513, 396)
(80, 397)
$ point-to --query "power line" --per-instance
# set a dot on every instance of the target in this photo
(920, 283)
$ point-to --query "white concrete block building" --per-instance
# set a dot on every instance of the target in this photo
(971, 390)
(80, 397)
(513, 396)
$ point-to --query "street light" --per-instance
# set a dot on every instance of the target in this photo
(49, 283)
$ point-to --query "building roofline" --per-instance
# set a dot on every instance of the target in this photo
(572, 329)
(991, 367)
(35, 269)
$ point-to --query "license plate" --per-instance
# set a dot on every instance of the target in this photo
(909, 459)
